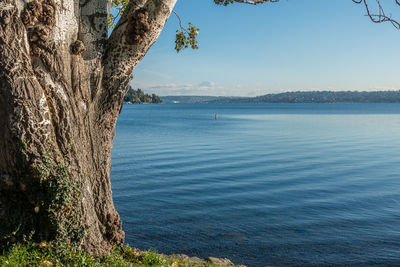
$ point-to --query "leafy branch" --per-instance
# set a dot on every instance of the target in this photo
(186, 37)
(118, 6)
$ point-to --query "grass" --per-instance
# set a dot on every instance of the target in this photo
(43, 254)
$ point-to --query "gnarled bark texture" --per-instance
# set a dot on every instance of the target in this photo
(61, 87)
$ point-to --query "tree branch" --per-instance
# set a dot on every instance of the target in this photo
(256, 2)
(380, 16)
(180, 21)
(136, 31)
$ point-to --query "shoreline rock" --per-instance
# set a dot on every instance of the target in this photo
(185, 260)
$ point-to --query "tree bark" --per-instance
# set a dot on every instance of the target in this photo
(62, 83)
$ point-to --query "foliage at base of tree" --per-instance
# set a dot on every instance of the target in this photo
(133, 96)
(43, 203)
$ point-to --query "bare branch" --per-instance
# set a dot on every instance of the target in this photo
(180, 21)
(376, 18)
(256, 2)
(380, 16)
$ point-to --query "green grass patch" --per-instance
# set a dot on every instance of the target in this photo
(44, 254)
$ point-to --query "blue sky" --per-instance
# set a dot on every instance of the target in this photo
(288, 46)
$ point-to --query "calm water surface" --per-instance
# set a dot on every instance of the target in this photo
(265, 184)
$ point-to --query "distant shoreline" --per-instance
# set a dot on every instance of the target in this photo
(295, 97)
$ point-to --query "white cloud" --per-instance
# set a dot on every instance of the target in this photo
(204, 88)
(207, 84)
(210, 88)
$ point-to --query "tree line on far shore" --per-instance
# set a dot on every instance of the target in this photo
(330, 97)
(297, 97)
(133, 96)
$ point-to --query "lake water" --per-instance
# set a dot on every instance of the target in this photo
(265, 184)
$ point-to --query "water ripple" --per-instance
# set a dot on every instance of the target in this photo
(263, 185)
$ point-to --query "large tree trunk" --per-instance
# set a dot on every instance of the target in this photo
(61, 88)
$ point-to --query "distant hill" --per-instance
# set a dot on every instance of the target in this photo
(297, 97)
(133, 96)
(191, 99)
